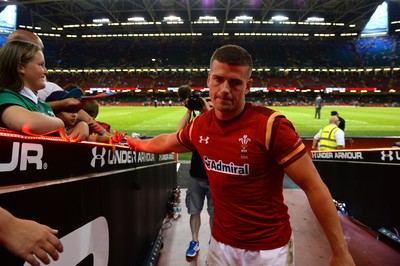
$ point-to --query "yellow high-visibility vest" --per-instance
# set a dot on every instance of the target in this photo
(327, 139)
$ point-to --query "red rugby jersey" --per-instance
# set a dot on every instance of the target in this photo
(244, 159)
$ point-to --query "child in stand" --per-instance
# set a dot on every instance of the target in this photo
(78, 129)
(92, 108)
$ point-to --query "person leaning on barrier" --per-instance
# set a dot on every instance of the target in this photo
(28, 239)
(77, 130)
(22, 74)
(246, 150)
(330, 137)
(68, 104)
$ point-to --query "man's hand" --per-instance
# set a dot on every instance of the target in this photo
(30, 240)
(117, 137)
(71, 105)
(207, 105)
(97, 128)
(345, 259)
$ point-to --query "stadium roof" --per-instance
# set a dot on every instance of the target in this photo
(76, 16)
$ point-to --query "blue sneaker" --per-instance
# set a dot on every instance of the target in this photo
(193, 248)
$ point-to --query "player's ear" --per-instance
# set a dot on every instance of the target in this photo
(248, 86)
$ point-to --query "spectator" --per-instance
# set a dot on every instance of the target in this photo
(76, 130)
(92, 108)
(330, 137)
(68, 104)
(25, 36)
(246, 150)
(22, 74)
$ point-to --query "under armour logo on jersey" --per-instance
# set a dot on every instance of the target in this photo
(204, 139)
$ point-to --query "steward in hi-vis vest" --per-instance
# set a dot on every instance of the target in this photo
(327, 139)
(330, 137)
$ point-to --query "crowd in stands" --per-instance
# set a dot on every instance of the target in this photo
(147, 80)
(187, 52)
(270, 98)
(195, 52)
(274, 53)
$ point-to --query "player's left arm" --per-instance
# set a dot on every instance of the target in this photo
(305, 175)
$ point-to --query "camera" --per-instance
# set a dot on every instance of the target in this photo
(195, 102)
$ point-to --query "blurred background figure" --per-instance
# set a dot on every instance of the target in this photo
(318, 106)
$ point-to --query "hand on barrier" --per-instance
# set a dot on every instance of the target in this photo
(63, 134)
(79, 133)
(118, 137)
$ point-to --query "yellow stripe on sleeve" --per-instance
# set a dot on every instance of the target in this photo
(293, 153)
(270, 122)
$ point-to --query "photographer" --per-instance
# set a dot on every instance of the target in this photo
(192, 102)
(199, 187)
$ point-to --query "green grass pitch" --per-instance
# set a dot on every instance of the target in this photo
(360, 121)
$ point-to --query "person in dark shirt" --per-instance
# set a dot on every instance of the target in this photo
(342, 122)
(318, 106)
(198, 188)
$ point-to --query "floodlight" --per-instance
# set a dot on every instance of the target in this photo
(136, 19)
(315, 19)
(280, 18)
(172, 18)
(243, 18)
(207, 18)
(101, 20)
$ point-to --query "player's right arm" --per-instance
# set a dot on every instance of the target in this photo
(161, 144)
